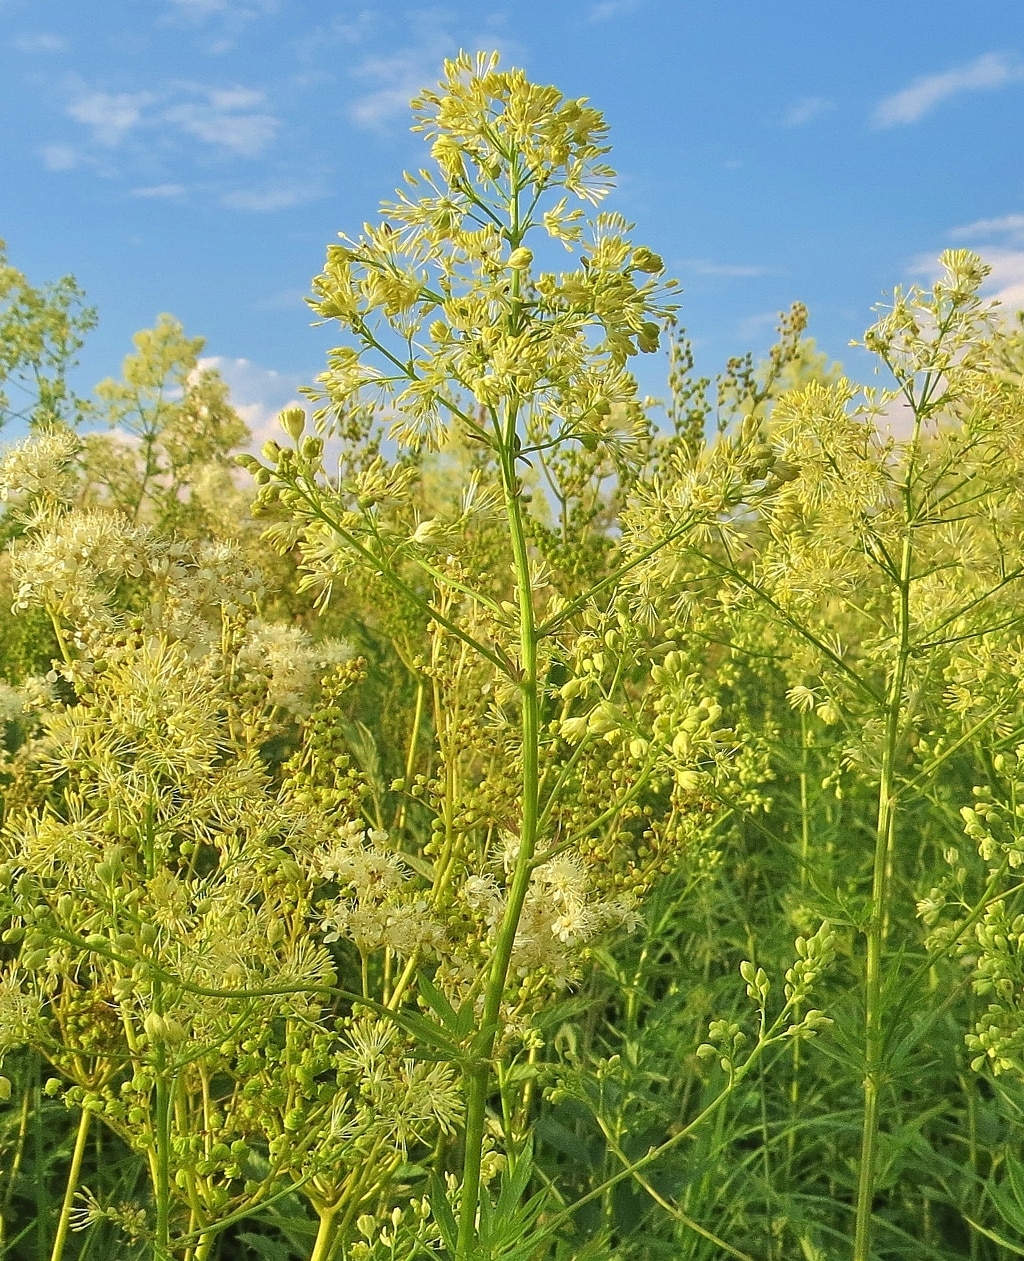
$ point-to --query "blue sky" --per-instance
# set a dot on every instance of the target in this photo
(197, 156)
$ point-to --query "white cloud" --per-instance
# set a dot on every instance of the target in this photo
(283, 300)
(257, 393)
(60, 157)
(706, 267)
(350, 29)
(111, 115)
(228, 118)
(608, 9)
(279, 196)
(238, 10)
(160, 192)
(398, 78)
(200, 8)
(807, 108)
(754, 327)
(990, 71)
(235, 120)
(40, 43)
(1009, 226)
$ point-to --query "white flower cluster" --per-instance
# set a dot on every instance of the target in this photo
(289, 662)
(40, 467)
(382, 908)
(407, 1099)
(379, 911)
(73, 564)
(560, 916)
(197, 588)
(219, 579)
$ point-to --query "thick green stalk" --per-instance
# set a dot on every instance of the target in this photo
(805, 854)
(874, 1031)
(325, 1236)
(204, 1248)
(480, 1074)
(162, 1161)
(64, 1221)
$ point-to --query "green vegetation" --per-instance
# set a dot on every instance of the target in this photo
(499, 827)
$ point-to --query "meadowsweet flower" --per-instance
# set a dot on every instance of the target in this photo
(74, 565)
(40, 467)
(289, 662)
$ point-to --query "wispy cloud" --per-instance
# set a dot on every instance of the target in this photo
(753, 328)
(40, 43)
(160, 192)
(999, 241)
(801, 112)
(61, 157)
(1008, 226)
(988, 72)
(235, 120)
(282, 195)
(197, 11)
(608, 9)
(110, 115)
(350, 29)
(396, 79)
(707, 267)
(1005, 283)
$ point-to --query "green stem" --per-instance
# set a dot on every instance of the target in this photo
(325, 1236)
(64, 1221)
(59, 635)
(204, 1248)
(805, 854)
(874, 1032)
(480, 1074)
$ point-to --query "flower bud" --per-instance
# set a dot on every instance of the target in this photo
(646, 260)
(155, 1026)
(293, 421)
(174, 1031)
(648, 338)
(520, 259)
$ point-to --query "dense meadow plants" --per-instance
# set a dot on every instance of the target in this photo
(507, 828)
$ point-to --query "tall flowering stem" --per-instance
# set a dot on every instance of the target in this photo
(480, 1079)
(453, 331)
